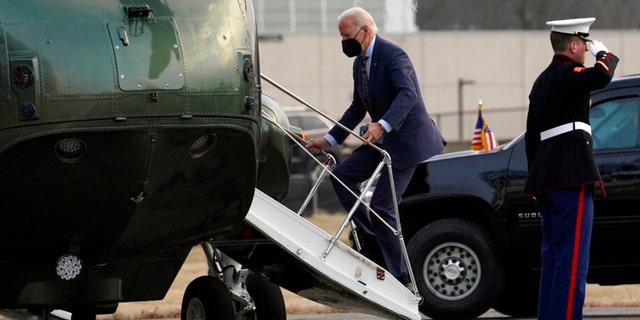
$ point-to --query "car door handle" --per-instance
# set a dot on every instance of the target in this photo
(626, 173)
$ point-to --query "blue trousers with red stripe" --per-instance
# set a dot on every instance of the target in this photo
(567, 219)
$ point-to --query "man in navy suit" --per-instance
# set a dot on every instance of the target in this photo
(400, 124)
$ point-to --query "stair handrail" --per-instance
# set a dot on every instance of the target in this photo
(386, 160)
(327, 165)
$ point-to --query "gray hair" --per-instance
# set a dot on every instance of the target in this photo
(360, 18)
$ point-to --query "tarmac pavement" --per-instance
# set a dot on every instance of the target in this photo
(589, 313)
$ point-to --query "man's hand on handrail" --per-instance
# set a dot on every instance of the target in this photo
(374, 131)
(316, 145)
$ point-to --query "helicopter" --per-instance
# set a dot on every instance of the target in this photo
(131, 133)
(128, 134)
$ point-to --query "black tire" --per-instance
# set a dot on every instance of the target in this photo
(267, 297)
(207, 298)
(519, 297)
(83, 315)
(455, 269)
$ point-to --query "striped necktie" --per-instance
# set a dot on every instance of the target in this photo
(365, 84)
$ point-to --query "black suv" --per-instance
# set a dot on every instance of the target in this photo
(473, 237)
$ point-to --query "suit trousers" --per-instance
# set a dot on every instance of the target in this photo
(567, 220)
(379, 243)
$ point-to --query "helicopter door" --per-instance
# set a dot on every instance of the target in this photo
(148, 54)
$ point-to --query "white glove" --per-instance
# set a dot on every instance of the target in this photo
(596, 46)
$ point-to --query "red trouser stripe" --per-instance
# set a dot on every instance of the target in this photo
(576, 251)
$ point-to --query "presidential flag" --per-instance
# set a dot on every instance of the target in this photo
(483, 137)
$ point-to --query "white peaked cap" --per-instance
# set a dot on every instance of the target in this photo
(578, 27)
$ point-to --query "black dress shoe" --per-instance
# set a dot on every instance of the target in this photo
(404, 279)
(371, 249)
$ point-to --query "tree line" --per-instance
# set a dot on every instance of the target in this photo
(523, 14)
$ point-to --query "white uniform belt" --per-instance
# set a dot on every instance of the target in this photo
(571, 126)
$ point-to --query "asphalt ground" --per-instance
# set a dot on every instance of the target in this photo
(589, 313)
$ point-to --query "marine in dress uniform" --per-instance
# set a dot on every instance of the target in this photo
(562, 169)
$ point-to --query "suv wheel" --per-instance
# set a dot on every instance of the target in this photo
(456, 272)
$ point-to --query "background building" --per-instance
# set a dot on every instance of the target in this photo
(456, 68)
(313, 17)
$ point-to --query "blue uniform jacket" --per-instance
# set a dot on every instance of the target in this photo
(561, 94)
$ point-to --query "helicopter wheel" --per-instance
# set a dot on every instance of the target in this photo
(207, 298)
(267, 298)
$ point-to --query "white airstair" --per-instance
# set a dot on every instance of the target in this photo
(350, 280)
(357, 283)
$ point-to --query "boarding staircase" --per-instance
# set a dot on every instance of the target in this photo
(357, 283)
(352, 281)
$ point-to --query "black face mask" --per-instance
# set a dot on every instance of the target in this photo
(351, 47)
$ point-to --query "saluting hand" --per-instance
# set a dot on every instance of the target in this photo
(596, 46)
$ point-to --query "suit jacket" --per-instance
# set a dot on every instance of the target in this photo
(562, 94)
(395, 96)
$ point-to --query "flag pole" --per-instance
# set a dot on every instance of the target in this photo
(476, 141)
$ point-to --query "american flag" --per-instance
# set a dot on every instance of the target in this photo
(483, 137)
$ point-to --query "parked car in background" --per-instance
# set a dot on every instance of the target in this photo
(305, 170)
(313, 126)
(473, 237)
